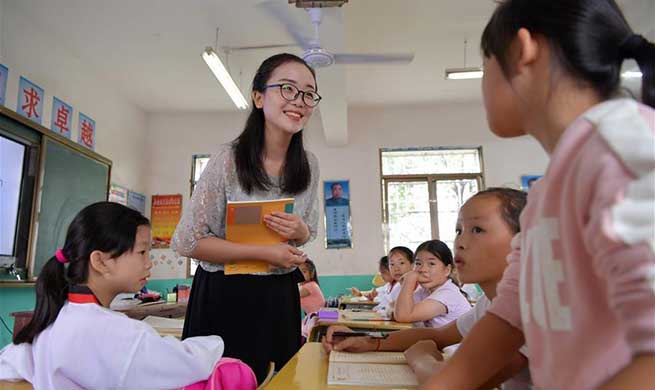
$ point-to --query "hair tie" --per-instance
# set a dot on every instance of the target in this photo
(60, 256)
(636, 47)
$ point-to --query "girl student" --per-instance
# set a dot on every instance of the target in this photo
(437, 300)
(384, 274)
(74, 341)
(401, 261)
(579, 287)
(267, 161)
(485, 226)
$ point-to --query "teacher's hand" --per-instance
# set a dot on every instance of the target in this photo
(289, 226)
(285, 255)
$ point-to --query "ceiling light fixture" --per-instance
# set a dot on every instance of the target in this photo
(464, 73)
(221, 73)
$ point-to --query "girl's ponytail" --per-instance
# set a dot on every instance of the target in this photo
(641, 50)
(51, 292)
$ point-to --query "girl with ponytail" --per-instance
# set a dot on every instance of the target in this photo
(74, 341)
(579, 288)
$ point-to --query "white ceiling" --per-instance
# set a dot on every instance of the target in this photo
(150, 49)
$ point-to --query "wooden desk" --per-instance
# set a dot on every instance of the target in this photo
(348, 303)
(167, 310)
(321, 326)
(307, 370)
(22, 385)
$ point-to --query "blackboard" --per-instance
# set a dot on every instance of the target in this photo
(71, 180)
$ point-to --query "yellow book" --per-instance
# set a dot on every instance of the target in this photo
(245, 225)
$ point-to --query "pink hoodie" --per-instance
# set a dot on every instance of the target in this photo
(581, 278)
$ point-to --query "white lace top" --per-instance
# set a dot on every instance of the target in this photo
(219, 183)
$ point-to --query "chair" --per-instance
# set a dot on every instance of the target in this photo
(269, 376)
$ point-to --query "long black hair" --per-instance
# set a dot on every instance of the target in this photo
(104, 226)
(249, 146)
(590, 38)
(313, 275)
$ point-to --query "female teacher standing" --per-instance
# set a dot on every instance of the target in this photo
(257, 315)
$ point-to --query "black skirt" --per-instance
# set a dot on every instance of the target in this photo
(258, 317)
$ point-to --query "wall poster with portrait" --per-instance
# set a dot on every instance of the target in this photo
(338, 227)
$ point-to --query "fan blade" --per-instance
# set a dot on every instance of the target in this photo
(241, 48)
(334, 108)
(374, 58)
(282, 12)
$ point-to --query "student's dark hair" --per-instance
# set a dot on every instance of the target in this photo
(512, 203)
(103, 226)
(313, 275)
(384, 262)
(590, 38)
(406, 252)
(249, 146)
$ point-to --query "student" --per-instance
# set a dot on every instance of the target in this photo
(485, 226)
(267, 161)
(376, 294)
(311, 296)
(437, 301)
(401, 261)
(75, 342)
(579, 286)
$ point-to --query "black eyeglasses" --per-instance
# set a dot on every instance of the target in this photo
(290, 93)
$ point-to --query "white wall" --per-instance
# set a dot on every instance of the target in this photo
(29, 51)
(174, 138)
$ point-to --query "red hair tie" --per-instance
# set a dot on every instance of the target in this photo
(60, 256)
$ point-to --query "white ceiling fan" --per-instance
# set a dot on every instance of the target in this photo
(313, 51)
(331, 116)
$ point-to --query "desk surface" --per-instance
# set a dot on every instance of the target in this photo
(348, 302)
(318, 329)
(308, 370)
(384, 325)
(167, 310)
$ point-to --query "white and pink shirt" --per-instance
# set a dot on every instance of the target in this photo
(581, 278)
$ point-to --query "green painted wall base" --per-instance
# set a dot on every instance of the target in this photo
(23, 298)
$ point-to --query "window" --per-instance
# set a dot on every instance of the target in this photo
(423, 189)
(198, 164)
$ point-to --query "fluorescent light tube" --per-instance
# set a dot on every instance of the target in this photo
(223, 76)
(463, 73)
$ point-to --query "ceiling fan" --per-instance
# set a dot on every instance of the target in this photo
(313, 51)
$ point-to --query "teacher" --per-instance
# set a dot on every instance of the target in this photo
(257, 315)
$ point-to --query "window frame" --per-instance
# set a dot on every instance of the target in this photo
(430, 179)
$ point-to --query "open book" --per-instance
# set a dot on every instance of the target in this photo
(377, 369)
(245, 225)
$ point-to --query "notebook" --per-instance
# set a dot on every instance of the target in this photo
(245, 225)
(380, 369)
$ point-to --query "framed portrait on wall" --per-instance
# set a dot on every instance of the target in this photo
(338, 228)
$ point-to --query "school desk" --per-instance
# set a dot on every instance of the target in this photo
(320, 328)
(307, 370)
(348, 303)
(166, 310)
(22, 385)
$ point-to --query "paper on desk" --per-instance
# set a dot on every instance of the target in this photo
(370, 374)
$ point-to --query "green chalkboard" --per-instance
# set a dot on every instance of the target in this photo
(70, 181)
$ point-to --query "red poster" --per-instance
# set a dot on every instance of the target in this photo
(166, 213)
